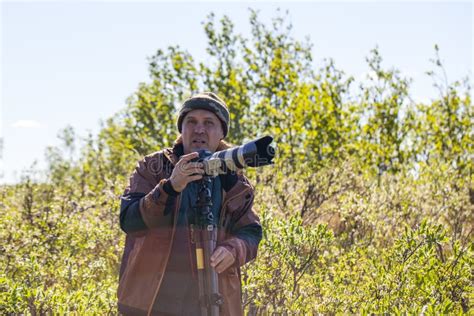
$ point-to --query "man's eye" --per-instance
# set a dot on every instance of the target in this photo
(209, 123)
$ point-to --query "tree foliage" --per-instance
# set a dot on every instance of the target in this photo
(368, 208)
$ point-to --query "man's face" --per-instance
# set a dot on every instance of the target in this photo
(201, 130)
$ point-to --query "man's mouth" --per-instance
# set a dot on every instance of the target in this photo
(199, 142)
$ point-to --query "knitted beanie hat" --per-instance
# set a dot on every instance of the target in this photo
(206, 101)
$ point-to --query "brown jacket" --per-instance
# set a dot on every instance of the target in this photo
(147, 252)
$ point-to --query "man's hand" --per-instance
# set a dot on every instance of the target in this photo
(222, 259)
(186, 171)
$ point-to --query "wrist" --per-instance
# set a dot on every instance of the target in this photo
(169, 188)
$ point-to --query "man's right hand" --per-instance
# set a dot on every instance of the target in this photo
(186, 171)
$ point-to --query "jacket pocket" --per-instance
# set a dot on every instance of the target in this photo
(234, 205)
(230, 289)
(233, 278)
(144, 270)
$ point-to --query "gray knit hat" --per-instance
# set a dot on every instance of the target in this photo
(206, 101)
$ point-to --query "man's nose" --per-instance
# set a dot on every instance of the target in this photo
(199, 128)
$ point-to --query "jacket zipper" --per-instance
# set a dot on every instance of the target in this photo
(168, 256)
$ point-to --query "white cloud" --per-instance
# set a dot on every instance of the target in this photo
(26, 124)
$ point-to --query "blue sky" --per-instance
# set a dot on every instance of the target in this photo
(75, 63)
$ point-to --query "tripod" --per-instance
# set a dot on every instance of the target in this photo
(206, 237)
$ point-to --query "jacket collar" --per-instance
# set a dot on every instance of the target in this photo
(173, 154)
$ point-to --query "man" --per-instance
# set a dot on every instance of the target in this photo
(158, 272)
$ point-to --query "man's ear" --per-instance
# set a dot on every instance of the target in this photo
(222, 132)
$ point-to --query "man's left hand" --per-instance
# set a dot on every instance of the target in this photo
(222, 259)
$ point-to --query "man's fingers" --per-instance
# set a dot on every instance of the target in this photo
(190, 167)
(224, 264)
(193, 165)
(189, 172)
(221, 259)
(188, 157)
(217, 254)
(194, 178)
(186, 171)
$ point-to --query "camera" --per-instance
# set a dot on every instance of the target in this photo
(255, 153)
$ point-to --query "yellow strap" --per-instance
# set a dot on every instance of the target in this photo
(199, 258)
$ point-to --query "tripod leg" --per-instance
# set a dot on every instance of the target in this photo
(211, 274)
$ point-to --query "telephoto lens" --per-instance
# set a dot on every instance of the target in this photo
(256, 153)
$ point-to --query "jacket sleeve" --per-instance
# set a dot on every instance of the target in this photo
(245, 231)
(149, 199)
(131, 220)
